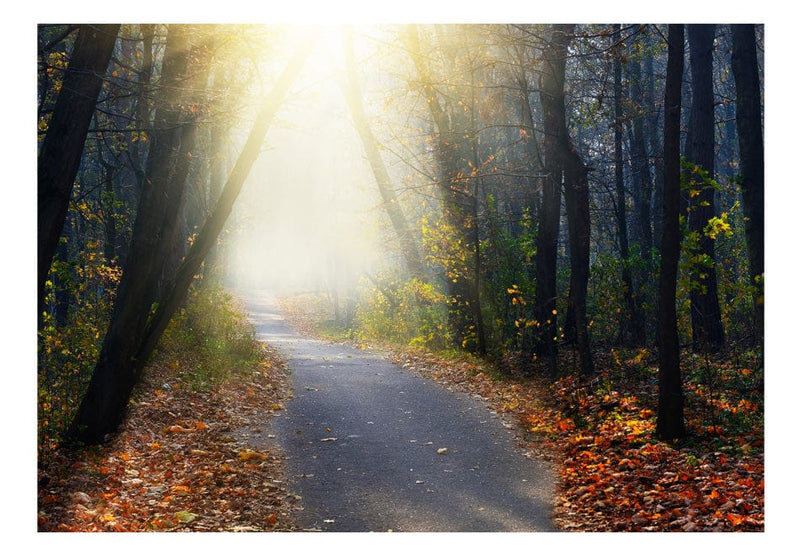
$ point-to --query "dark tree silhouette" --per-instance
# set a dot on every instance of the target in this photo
(744, 63)
(670, 424)
(137, 324)
(62, 147)
(707, 330)
(552, 98)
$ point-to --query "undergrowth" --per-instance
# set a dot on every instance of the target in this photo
(210, 338)
(205, 342)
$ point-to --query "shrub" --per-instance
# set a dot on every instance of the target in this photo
(210, 337)
(415, 313)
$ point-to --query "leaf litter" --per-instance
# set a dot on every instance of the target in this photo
(184, 460)
(600, 436)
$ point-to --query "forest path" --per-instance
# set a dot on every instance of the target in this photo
(365, 444)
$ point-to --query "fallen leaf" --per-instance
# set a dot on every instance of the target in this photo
(247, 455)
(186, 517)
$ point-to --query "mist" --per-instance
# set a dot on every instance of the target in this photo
(308, 216)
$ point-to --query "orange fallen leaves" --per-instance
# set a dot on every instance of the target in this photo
(175, 466)
(615, 476)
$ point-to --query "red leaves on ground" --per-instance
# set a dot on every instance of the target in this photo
(614, 475)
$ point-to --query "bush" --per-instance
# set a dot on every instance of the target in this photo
(68, 347)
(414, 314)
(210, 338)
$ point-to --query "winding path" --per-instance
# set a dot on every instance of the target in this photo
(373, 447)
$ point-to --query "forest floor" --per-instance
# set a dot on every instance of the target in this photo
(186, 459)
(614, 475)
(189, 459)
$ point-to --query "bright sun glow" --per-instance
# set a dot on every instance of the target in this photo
(307, 217)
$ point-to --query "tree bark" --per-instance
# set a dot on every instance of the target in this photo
(552, 99)
(670, 422)
(744, 63)
(707, 331)
(61, 150)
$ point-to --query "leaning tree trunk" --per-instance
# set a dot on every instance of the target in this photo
(172, 141)
(408, 246)
(670, 423)
(135, 330)
(751, 152)
(61, 150)
(707, 330)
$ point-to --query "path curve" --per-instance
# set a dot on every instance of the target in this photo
(373, 447)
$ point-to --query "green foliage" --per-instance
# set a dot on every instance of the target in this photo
(415, 314)
(69, 349)
(605, 298)
(605, 303)
(210, 338)
(730, 246)
(509, 257)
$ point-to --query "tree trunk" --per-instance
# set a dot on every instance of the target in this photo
(576, 193)
(126, 350)
(408, 246)
(453, 161)
(631, 324)
(61, 150)
(552, 99)
(751, 152)
(654, 141)
(670, 422)
(707, 331)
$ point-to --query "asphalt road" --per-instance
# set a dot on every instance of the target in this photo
(374, 447)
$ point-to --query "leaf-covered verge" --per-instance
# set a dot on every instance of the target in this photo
(192, 455)
(613, 473)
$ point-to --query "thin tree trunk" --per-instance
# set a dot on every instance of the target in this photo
(670, 422)
(408, 246)
(751, 152)
(61, 150)
(576, 193)
(707, 330)
(631, 325)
